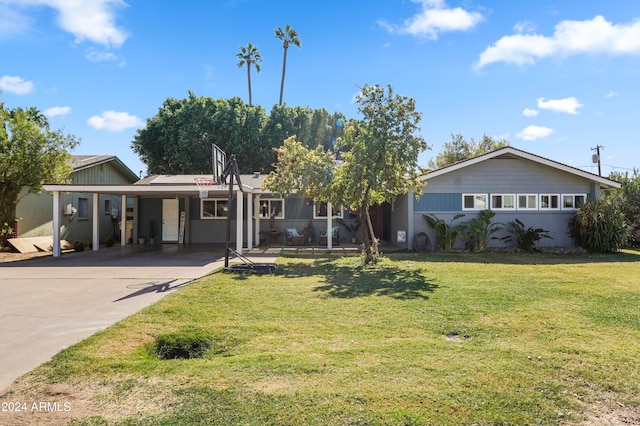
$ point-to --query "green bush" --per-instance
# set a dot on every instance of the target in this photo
(185, 344)
(599, 227)
(110, 241)
(446, 233)
(477, 232)
(526, 239)
(78, 245)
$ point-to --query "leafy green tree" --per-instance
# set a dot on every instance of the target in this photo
(249, 55)
(178, 139)
(378, 160)
(460, 149)
(31, 153)
(288, 36)
(627, 199)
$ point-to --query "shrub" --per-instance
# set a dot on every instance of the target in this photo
(599, 227)
(185, 344)
(526, 239)
(477, 232)
(110, 241)
(78, 245)
(446, 233)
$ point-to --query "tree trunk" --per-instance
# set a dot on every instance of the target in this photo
(371, 252)
(284, 68)
(249, 80)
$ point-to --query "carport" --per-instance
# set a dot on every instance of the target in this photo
(155, 188)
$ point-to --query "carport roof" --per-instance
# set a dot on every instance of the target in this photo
(161, 184)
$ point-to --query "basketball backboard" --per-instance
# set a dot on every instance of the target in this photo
(219, 162)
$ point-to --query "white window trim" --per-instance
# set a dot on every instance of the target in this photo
(474, 208)
(549, 208)
(202, 200)
(573, 196)
(527, 208)
(268, 201)
(335, 212)
(515, 201)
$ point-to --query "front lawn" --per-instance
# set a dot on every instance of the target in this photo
(445, 339)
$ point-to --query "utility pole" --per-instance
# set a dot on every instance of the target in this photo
(596, 157)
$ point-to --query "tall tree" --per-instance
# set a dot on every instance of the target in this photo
(460, 149)
(30, 154)
(249, 55)
(627, 199)
(378, 160)
(177, 140)
(288, 36)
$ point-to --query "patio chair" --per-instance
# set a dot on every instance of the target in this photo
(335, 236)
(293, 238)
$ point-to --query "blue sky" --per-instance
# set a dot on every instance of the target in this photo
(554, 78)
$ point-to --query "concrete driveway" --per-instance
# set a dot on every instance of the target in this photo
(48, 304)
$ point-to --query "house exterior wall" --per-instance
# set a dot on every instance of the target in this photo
(443, 196)
(400, 221)
(34, 210)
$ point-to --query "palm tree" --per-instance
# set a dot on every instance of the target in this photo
(288, 36)
(249, 55)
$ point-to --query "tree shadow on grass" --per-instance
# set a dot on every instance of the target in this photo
(348, 281)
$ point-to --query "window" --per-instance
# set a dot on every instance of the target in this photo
(527, 201)
(211, 208)
(272, 207)
(573, 201)
(83, 208)
(474, 201)
(549, 201)
(320, 210)
(107, 206)
(503, 201)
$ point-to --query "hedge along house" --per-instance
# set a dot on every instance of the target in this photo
(172, 205)
(514, 184)
(33, 212)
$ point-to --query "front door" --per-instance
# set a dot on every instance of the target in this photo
(170, 219)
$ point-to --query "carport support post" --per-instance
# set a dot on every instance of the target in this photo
(239, 207)
(56, 223)
(249, 220)
(329, 226)
(95, 239)
(410, 230)
(256, 214)
(123, 221)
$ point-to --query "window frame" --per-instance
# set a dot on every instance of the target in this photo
(527, 195)
(502, 197)
(107, 206)
(215, 200)
(573, 203)
(268, 202)
(475, 195)
(336, 213)
(542, 208)
(83, 211)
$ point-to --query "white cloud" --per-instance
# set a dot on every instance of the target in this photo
(57, 110)
(596, 36)
(612, 94)
(566, 105)
(436, 17)
(531, 133)
(524, 27)
(92, 20)
(16, 85)
(95, 56)
(114, 121)
(528, 112)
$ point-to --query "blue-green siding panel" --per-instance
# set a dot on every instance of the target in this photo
(438, 203)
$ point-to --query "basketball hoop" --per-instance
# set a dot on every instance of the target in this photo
(204, 183)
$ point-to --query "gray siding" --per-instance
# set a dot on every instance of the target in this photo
(443, 196)
(400, 221)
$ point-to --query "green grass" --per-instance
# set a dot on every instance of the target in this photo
(447, 339)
